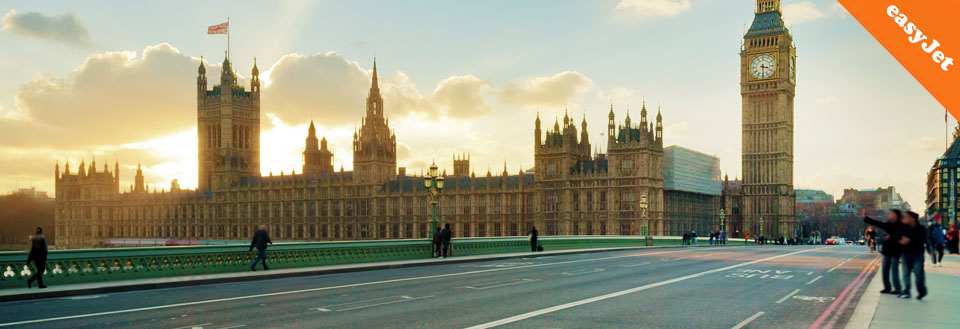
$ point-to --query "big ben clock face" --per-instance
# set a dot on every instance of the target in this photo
(762, 67)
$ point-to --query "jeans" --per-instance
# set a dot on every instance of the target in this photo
(446, 249)
(695, 241)
(41, 266)
(261, 256)
(913, 264)
(891, 270)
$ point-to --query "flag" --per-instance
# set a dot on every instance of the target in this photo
(222, 28)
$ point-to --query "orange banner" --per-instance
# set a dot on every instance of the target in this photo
(923, 35)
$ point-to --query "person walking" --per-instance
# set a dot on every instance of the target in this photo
(533, 238)
(953, 239)
(937, 241)
(891, 249)
(711, 238)
(746, 237)
(686, 238)
(723, 238)
(445, 237)
(693, 236)
(871, 236)
(38, 255)
(913, 239)
(435, 252)
(260, 241)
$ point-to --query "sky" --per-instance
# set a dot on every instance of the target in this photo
(113, 81)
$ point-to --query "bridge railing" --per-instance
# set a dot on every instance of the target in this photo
(92, 265)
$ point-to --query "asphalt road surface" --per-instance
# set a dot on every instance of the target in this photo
(729, 287)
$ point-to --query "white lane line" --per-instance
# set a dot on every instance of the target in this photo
(815, 279)
(194, 326)
(367, 303)
(582, 272)
(747, 321)
(838, 265)
(625, 292)
(637, 264)
(788, 296)
(280, 293)
(498, 284)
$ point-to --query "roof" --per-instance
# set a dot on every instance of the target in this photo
(766, 23)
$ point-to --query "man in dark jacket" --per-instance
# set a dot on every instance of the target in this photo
(445, 237)
(436, 244)
(533, 238)
(38, 255)
(891, 249)
(260, 240)
(913, 239)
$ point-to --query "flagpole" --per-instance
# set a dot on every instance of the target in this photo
(228, 37)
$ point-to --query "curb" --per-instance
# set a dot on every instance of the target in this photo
(867, 305)
(283, 275)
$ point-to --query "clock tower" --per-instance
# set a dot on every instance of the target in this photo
(767, 86)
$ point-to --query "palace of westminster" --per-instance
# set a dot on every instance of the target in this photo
(572, 190)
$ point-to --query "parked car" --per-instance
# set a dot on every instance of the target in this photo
(834, 240)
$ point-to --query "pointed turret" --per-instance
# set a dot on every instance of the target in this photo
(374, 84)
(255, 77)
(138, 180)
(56, 170)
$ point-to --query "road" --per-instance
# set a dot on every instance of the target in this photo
(729, 287)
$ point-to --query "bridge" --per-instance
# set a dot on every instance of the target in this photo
(579, 281)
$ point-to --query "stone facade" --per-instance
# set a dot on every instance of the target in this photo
(572, 191)
(767, 88)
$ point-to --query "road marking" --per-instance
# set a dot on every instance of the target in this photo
(500, 284)
(625, 292)
(582, 272)
(361, 284)
(823, 316)
(84, 297)
(788, 296)
(748, 320)
(194, 326)
(838, 265)
(637, 264)
(814, 298)
(815, 279)
(367, 303)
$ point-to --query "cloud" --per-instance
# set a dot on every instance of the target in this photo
(113, 97)
(804, 11)
(460, 96)
(653, 8)
(331, 87)
(64, 28)
(547, 91)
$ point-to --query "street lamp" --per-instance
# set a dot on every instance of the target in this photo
(434, 184)
(761, 226)
(643, 212)
(723, 216)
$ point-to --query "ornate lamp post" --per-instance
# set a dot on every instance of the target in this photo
(723, 216)
(761, 226)
(643, 211)
(434, 184)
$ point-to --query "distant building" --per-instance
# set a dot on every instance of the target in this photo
(691, 190)
(731, 202)
(813, 196)
(872, 199)
(31, 192)
(942, 183)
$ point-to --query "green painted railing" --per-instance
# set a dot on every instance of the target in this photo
(90, 265)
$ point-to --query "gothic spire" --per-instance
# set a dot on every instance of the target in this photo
(374, 85)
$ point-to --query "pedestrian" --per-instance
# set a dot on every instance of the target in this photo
(711, 238)
(746, 237)
(533, 238)
(913, 239)
(953, 239)
(435, 250)
(871, 236)
(445, 236)
(686, 238)
(937, 241)
(723, 238)
(260, 241)
(891, 250)
(693, 236)
(38, 255)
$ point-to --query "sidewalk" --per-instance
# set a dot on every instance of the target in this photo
(192, 280)
(936, 310)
